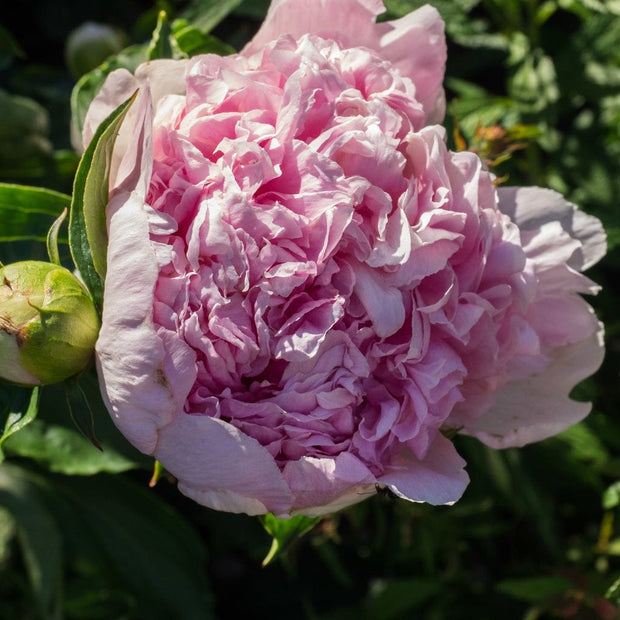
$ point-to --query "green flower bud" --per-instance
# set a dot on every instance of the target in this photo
(48, 323)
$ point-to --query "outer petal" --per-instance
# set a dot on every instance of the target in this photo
(118, 87)
(220, 467)
(351, 22)
(161, 77)
(130, 355)
(415, 43)
(325, 485)
(539, 406)
(531, 207)
(440, 478)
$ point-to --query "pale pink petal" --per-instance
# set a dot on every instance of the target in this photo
(219, 466)
(165, 77)
(348, 21)
(439, 478)
(117, 88)
(321, 486)
(383, 303)
(130, 356)
(538, 407)
(415, 43)
(531, 207)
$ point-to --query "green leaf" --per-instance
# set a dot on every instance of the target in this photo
(192, 41)
(130, 545)
(611, 496)
(7, 533)
(156, 554)
(207, 14)
(62, 449)
(285, 532)
(399, 597)
(87, 226)
(613, 592)
(160, 45)
(38, 535)
(585, 445)
(54, 442)
(27, 212)
(20, 409)
(534, 589)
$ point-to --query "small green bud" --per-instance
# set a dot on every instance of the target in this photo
(48, 323)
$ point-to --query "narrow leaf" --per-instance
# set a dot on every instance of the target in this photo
(192, 41)
(534, 589)
(160, 45)
(87, 226)
(52, 238)
(19, 414)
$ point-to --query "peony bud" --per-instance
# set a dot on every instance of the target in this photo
(48, 323)
(90, 44)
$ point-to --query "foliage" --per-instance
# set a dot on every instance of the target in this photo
(534, 88)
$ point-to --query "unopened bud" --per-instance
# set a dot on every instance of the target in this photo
(48, 323)
(90, 44)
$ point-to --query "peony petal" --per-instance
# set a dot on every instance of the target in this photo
(321, 486)
(220, 467)
(538, 407)
(532, 207)
(414, 43)
(383, 303)
(349, 21)
(118, 87)
(440, 478)
(129, 354)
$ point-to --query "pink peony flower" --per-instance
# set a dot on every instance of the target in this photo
(305, 288)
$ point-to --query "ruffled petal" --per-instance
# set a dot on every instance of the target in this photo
(415, 43)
